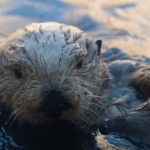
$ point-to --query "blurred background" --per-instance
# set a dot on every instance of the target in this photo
(120, 23)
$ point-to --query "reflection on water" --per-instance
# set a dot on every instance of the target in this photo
(120, 23)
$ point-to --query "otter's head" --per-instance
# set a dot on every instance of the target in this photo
(50, 71)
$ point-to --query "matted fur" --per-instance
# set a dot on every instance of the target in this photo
(47, 55)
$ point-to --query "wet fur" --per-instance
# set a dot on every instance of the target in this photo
(39, 51)
(46, 56)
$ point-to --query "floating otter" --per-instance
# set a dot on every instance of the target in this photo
(52, 73)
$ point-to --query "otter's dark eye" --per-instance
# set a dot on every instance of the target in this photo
(79, 65)
(17, 73)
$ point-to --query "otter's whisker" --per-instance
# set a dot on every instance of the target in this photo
(12, 118)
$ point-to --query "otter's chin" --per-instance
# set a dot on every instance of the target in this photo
(47, 117)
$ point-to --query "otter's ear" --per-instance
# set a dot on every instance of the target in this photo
(99, 44)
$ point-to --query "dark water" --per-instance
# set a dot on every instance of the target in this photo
(118, 23)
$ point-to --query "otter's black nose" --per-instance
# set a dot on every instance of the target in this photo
(55, 103)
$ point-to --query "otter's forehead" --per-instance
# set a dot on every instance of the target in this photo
(51, 42)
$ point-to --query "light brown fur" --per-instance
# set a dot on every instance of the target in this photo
(141, 81)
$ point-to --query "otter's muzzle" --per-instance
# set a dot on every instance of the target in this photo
(54, 103)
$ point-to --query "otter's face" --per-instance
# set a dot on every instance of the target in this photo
(50, 71)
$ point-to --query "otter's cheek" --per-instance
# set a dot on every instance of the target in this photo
(25, 102)
(70, 114)
(7, 88)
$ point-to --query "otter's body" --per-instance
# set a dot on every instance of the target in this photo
(52, 72)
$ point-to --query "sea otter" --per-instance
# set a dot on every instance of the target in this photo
(52, 74)
(51, 71)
